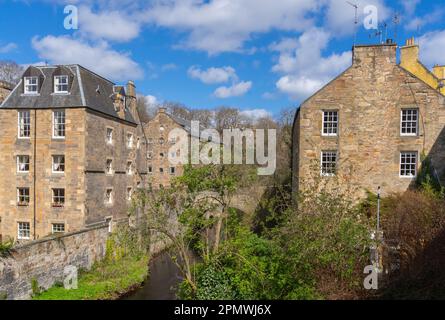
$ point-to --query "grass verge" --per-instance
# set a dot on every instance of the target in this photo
(107, 280)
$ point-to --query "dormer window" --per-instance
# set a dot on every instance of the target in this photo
(60, 84)
(31, 85)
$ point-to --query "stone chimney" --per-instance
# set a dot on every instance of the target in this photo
(375, 55)
(439, 72)
(162, 110)
(409, 55)
(132, 100)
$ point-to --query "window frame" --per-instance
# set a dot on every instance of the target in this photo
(56, 84)
(111, 199)
(23, 203)
(172, 172)
(18, 163)
(54, 136)
(324, 122)
(57, 224)
(402, 121)
(109, 141)
(322, 166)
(111, 171)
(25, 125)
(130, 145)
(129, 172)
(52, 163)
(26, 85)
(54, 197)
(416, 153)
(129, 194)
(28, 230)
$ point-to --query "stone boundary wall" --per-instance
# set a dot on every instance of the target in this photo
(44, 260)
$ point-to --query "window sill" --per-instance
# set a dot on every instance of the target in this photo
(23, 138)
(58, 138)
(55, 205)
(23, 205)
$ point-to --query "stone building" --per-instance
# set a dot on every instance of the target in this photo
(160, 169)
(71, 152)
(373, 124)
(5, 90)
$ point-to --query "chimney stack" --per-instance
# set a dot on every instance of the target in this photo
(131, 100)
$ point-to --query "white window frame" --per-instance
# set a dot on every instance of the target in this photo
(416, 164)
(53, 157)
(129, 193)
(25, 115)
(130, 140)
(18, 164)
(109, 139)
(109, 170)
(129, 169)
(150, 170)
(324, 122)
(323, 174)
(28, 196)
(138, 143)
(54, 229)
(54, 124)
(110, 200)
(59, 203)
(402, 121)
(27, 85)
(172, 172)
(21, 230)
(58, 85)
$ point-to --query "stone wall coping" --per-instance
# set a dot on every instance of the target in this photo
(102, 225)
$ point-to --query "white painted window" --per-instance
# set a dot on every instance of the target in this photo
(58, 228)
(149, 155)
(23, 197)
(150, 169)
(328, 163)
(23, 164)
(61, 84)
(58, 197)
(161, 128)
(161, 140)
(59, 124)
(24, 124)
(23, 230)
(129, 167)
(109, 196)
(408, 164)
(58, 164)
(129, 193)
(110, 135)
(109, 166)
(130, 140)
(172, 171)
(330, 123)
(138, 143)
(31, 85)
(161, 170)
(409, 122)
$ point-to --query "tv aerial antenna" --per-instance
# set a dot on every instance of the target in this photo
(396, 22)
(355, 6)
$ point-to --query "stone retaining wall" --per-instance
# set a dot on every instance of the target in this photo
(44, 260)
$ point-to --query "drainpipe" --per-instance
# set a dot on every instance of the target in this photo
(34, 173)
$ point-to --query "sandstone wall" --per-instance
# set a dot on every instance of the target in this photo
(44, 260)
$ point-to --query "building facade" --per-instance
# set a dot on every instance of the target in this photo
(372, 125)
(160, 148)
(71, 152)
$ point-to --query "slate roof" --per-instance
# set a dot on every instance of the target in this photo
(87, 89)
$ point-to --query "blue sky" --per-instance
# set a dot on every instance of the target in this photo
(261, 55)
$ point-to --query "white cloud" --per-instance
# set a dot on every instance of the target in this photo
(151, 100)
(108, 25)
(8, 47)
(255, 114)
(213, 75)
(169, 67)
(98, 57)
(217, 26)
(236, 90)
(432, 47)
(303, 67)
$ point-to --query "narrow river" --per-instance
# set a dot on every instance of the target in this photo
(164, 277)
